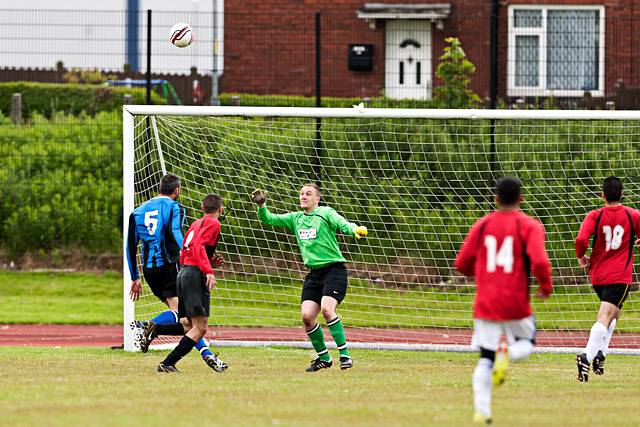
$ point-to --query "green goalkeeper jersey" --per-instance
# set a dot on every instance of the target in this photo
(315, 233)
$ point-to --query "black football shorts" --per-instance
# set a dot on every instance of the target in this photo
(162, 280)
(616, 294)
(194, 297)
(328, 281)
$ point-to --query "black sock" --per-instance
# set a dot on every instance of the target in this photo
(170, 329)
(182, 349)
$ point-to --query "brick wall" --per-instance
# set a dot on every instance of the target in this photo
(622, 25)
(269, 48)
(269, 44)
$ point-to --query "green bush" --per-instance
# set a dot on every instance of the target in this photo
(418, 184)
(62, 181)
(49, 98)
(247, 99)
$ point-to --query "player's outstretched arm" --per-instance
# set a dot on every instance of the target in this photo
(350, 228)
(635, 217)
(132, 248)
(540, 264)
(259, 197)
(587, 228)
(467, 255)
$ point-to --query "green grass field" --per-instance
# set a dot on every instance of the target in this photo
(267, 387)
(61, 298)
(82, 298)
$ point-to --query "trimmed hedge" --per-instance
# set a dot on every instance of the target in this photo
(418, 184)
(49, 98)
(62, 183)
(246, 99)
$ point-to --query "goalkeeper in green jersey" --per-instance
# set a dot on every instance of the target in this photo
(325, 286)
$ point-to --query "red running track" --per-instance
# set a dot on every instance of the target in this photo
(106, 336)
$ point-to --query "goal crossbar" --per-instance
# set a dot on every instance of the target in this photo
(383, 113)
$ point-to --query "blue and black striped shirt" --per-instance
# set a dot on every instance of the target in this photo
(157, 223)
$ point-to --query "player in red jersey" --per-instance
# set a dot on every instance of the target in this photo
(613, 229)
(195, 281)
(500, 252)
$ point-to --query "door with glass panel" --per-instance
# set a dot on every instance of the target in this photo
(408, 59)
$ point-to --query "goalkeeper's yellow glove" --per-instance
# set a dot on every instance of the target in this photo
(360, 232)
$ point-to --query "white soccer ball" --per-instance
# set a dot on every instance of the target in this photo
(181, 35)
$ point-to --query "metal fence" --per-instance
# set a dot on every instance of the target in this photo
(575, 55)
(286, 53)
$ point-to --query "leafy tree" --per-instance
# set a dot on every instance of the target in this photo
(456, 71)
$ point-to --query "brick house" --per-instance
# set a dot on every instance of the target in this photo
(558, 48)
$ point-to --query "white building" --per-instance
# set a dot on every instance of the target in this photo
(92, 34)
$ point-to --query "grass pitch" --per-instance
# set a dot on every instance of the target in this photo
(81, 298)
(268, 387)
(61, 298)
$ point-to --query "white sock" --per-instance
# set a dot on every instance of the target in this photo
(596, 341)
(520, 350)
(607, 340)
(482, 386)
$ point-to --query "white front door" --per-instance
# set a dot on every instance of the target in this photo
(408, 59)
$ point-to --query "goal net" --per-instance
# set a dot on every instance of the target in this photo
(417, 179)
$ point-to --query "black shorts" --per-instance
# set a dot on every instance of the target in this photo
(162, 280)
(328, 281)
(193, 293)
(616, 294)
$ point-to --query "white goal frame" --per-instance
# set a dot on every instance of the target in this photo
(130, 111)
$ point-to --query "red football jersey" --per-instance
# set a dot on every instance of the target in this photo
(204, 232)
(614, 230)
(500, 251)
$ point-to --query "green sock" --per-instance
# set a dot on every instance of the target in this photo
(317, 340)
(337, 332)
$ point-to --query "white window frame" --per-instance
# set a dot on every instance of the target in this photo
(541, 89)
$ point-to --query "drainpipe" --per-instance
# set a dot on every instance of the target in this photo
(131, 38)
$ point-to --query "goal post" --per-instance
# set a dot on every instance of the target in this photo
(128, 141)
(417, 178)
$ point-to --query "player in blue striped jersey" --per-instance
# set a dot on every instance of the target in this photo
(157, 223)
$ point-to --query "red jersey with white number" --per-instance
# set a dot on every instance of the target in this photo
(500, 252)
(202, 233)
(612, 231)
